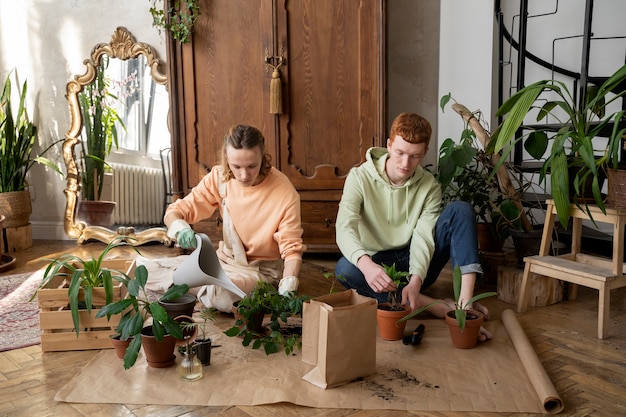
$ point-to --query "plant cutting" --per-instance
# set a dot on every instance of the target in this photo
(135, 309)
(462, 311)
(578, 123)
(389, 313)
(84, 276)
(202, 344)
(263, 300)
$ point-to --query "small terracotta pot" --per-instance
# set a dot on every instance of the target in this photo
(120, 345)
(388, 326)
(469, 337)
(187, 333)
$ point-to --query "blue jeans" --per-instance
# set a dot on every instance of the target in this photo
(455, 240)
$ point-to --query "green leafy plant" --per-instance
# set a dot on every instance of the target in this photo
(178, 19)
(85, 275)
(460, 306)
(206, 314)
(265, 300)
(399, 279)
(17, 140)
(577, 127)
(137, 307)
(99, 121)
(334, 279)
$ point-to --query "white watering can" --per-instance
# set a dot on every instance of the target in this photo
(203, 267)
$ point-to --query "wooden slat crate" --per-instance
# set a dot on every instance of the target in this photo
(55, 317)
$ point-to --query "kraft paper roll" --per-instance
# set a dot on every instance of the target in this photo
(536, 373)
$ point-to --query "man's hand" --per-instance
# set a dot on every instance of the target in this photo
(375, 275)
(411, 293)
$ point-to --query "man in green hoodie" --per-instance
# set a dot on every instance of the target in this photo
(390, 212)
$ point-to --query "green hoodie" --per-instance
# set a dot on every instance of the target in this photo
(375, 215)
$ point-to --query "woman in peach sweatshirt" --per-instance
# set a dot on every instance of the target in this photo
(260, 208)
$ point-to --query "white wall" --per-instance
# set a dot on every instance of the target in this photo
(46, 41)
(465, 61)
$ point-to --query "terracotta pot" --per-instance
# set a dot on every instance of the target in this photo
(486, 241)
(120, 345)
(181, 306)
(96, 213)
(190, 333)
(159, 354)
(468, 338)
(388, 327)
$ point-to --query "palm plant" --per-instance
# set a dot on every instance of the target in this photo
(17, 140)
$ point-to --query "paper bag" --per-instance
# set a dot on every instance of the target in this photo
(339, 338)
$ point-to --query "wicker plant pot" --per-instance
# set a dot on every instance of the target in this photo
(16, 208)
(616, 193)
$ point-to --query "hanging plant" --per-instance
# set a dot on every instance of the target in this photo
(178, 19)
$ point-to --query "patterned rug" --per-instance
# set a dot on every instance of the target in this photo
(19, 326)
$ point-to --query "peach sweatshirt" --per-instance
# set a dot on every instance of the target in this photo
(266, 216)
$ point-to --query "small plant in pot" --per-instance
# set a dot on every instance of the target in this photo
(278, 334)
(138, 307)
(202, 344)
(463, 322)
(388, 314)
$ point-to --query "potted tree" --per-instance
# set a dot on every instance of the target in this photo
(100, 121)
(264, 300)
(157, 337)
(17, 141)
(388, 314)
(573, 140)
(463, 322)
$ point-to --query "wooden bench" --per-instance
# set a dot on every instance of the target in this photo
(577, 268)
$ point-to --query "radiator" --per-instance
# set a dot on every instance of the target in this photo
(139, 193)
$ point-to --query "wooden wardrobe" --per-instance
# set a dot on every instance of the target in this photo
(332, 82)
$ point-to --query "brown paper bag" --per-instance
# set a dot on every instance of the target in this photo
(339, 338)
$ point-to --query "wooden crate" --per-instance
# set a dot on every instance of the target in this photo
(55, 316)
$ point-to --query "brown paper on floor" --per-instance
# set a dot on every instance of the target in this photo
(432, 376)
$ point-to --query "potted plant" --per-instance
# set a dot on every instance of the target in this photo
(86, 280)
(202, 344)
(388, 314)
(17, 140)
(463, 322)
(135, 310)
(100, 121)
(263, 300)
(578, 123)
(470, 171)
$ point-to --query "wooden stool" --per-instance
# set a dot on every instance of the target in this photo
(577, 268)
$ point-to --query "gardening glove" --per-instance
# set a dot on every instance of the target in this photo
(287, 285)
(182, 232)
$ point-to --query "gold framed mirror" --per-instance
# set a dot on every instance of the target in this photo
(125, 49)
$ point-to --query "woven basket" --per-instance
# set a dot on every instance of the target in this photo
(616, 195)
(16, 207)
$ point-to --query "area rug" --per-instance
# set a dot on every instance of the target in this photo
(432, 376)
(19, 326)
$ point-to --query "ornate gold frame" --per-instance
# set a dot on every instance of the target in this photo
(123, 46)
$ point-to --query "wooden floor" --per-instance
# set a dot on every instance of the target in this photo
(589, 374)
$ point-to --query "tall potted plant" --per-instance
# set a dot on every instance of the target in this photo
(574, 138)
(17, 140)
(100, 120)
